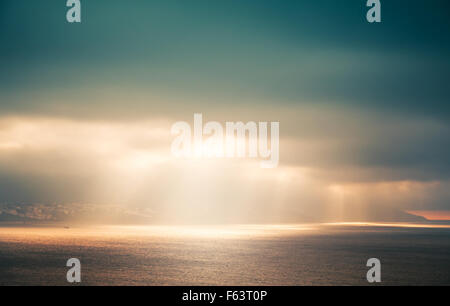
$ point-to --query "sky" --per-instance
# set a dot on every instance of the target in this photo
(86, 110)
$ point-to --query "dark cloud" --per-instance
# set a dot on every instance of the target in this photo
(297, 51)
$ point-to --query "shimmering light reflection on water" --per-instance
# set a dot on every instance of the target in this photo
(312, 254)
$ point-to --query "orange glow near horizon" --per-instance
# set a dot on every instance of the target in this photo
(436, 215)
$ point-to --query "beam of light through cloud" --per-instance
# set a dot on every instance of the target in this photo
(124, 172)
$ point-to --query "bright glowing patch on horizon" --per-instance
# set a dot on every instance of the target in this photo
(436, 215)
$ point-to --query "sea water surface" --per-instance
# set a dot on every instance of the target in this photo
(315, 254)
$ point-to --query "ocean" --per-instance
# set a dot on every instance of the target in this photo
(315, 254)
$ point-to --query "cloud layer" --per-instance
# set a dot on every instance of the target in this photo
(86, 110)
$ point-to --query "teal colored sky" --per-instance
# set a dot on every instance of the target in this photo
(291, 51)
(364, 108)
